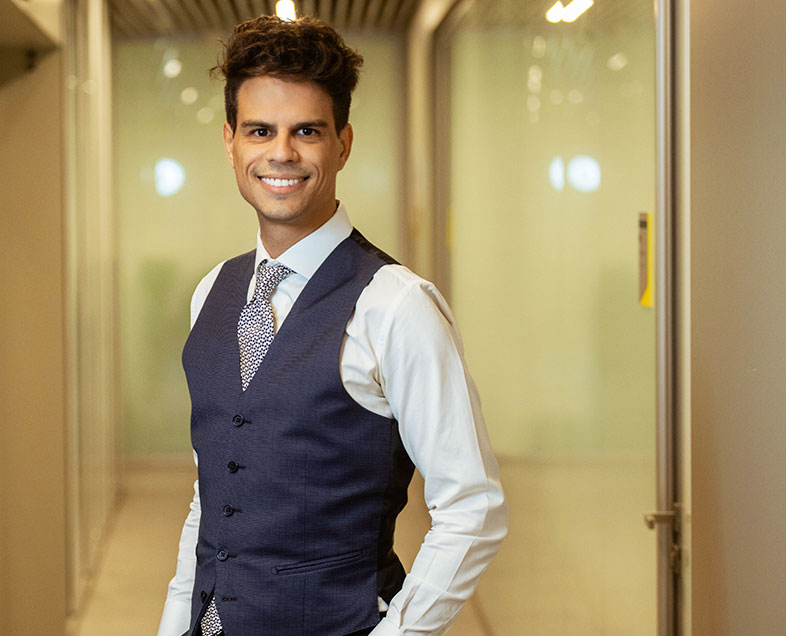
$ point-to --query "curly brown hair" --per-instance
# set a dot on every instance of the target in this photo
(304, 50)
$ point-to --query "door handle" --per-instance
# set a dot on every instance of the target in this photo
(661, 516)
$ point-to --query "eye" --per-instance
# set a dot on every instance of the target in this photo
(309, 132)
(260, 132)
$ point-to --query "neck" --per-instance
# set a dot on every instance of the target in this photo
(278, 237)
(277, 240)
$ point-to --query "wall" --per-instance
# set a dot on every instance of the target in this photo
(737, 199)
(58, 466)
(167, 243)
(32, 338)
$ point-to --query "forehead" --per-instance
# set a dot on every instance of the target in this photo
(283, 98)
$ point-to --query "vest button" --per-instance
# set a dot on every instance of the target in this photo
(227, 510)
(237, 420)
(203, 595)
(222, 555)
(233, 466)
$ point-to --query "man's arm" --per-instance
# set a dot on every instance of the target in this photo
(436, 404)
(177, 608)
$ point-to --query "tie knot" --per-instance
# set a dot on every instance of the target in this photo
(268, 278)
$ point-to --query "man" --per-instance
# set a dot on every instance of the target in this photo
(306, 441)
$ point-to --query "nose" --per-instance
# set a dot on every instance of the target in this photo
(283, 149)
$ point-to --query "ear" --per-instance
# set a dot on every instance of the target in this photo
(345, 139)
(228, 137)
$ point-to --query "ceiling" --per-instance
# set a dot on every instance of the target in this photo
(603, 16)
(155, 18)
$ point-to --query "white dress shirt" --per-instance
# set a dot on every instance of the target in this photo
(401, 358)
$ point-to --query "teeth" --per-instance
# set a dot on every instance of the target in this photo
(278, 183)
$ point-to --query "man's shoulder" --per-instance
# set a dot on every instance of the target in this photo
(370, 249)
(399, 309)
(397, 276)
(396, 289)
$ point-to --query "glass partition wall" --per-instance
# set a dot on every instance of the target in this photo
(546, 133)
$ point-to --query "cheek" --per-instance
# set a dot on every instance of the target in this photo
(244, 160)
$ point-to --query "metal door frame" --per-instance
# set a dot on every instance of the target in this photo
(666, 519)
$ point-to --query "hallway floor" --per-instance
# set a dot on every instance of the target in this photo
(578, 559)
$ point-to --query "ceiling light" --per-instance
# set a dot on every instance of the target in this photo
(555, 13)
(560, 13)
(575, 9)
(285, 9)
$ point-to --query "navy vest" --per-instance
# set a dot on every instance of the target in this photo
(299, 485)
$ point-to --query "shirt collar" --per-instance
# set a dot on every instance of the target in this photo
(305, 256)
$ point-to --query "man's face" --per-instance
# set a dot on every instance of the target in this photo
(286, 153)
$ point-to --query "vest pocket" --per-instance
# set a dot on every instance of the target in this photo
(319, 564)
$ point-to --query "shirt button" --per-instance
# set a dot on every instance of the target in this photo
(233, 466)
(227, 510)
(222, 555)
(237, 420)
(203, 595)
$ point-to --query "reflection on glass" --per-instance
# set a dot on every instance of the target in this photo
(617, 62)
(189, 95)
(205, 115)
(557, 173)
(538, 46)
(169, 177)
(172, 68)
(584, 173)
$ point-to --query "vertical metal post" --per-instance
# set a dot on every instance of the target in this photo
(668, 555)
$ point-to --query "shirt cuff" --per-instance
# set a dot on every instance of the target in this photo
(175, 619)
(385, 628)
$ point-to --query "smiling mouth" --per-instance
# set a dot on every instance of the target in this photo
(282, 183)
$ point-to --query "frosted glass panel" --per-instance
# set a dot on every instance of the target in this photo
(552, 159)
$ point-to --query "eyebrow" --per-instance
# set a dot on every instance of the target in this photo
(254, 123)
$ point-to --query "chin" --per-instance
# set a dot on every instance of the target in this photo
(281, 216)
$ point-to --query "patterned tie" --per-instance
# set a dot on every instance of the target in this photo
(211, 621)
(255, 329)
